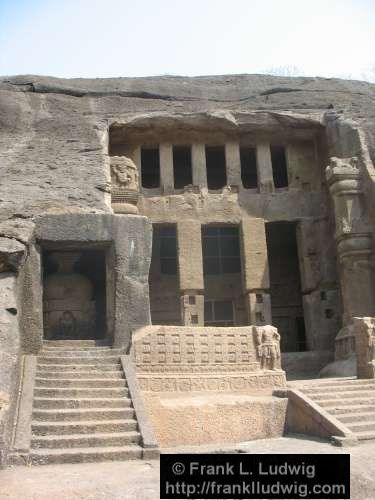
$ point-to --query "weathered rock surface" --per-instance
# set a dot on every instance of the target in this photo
(53, 132)
(11, 254)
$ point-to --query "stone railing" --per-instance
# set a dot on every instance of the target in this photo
(186, 358)
(344, 342)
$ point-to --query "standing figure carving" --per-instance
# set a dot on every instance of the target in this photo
(268, 347)
(125, 185)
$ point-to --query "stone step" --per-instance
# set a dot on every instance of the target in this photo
(350, 418)
(339, 410)
(81, 382)
(82, 427)
(79, 368)
(93, 374)
(78, 353)
(321, 396)
(99, 439)
(61, 392)
(78, 455)
(365, 435)
(334, 382)
(340, 389)
(362, 426)
(57, 360)
(328, 403)
(72, 414)
(61, 403)
(71, 343)
(57, 349)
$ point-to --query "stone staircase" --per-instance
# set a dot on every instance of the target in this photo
(82, 410)
(349, 400)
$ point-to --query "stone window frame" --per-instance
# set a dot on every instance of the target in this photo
(253, 147)
(218, 322)
(145, 147)
(220, 237)
(168, 258)
(284, 147)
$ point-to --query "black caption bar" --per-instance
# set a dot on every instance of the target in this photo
(254, 476)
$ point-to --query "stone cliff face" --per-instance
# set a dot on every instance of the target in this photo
(53, 132)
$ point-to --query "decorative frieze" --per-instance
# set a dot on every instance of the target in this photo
(173, 358)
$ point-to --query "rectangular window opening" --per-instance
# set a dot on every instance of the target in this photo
(168, 250)
(259, 298)
(164, 287)
(216, 167)
(150, 167)
(279, 166)
(249, 173)
(182, 170)
(221, 250)
(218, 313)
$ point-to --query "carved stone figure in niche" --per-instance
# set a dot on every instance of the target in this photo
(268, 347)
(69, 308)
(125, 185)
(67, 325)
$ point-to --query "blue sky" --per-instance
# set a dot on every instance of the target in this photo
(92, 38)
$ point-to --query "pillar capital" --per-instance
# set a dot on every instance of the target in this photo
(343, 176)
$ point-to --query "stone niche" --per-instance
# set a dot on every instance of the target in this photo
(69, 307)
(187, 358)
(125, 241)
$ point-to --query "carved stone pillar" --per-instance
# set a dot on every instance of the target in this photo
(353, 239)
(198, 155)
(265, 173)
(166, 168)
(233, 162)
(190, 266)
(255, 274)
(125, 185)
